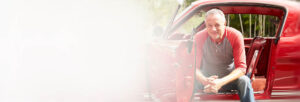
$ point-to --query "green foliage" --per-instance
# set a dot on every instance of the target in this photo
(188, 2)
(191, 24)
(261, 25)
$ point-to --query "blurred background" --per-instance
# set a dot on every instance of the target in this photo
(71, 50)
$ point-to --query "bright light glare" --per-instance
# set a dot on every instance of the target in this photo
(71, 50)
(180, 2)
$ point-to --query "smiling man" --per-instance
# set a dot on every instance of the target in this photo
(220, 49)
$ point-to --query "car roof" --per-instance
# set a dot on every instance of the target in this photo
(291, 6)
(284, 3)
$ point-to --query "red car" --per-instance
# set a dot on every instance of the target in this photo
(271, 31)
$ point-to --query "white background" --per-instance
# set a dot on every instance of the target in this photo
(71, 50)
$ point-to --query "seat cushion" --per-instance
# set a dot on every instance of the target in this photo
(259, 84)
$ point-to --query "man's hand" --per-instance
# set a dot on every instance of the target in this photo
(209, 80)
(213, 86)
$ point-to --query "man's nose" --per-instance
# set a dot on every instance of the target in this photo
(214, 28)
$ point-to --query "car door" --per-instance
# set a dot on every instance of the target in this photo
(170, 61)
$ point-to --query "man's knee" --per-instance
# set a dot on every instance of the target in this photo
(244, 80)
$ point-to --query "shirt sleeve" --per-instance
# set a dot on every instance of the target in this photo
(238, 48)
(199, 40)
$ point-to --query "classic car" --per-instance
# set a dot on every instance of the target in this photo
(271, 30)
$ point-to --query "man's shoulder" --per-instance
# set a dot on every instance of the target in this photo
(201, 34)
(233, 33)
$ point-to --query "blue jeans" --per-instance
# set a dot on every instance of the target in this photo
(242, 84)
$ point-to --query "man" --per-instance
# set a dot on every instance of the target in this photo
(222, 58)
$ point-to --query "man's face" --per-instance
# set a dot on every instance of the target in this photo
(215, 25)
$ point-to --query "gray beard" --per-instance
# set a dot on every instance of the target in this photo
(218, 37)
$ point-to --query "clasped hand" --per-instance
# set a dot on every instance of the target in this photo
(212, 84)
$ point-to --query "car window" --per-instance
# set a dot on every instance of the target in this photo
(252, 25)
(251, 22)
(190, 26)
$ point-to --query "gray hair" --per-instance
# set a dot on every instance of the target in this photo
(215, 11)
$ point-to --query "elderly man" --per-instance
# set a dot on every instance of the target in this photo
(222, 57)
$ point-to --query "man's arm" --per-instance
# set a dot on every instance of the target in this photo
(199, 40)
(235, 74)
(204, 80)
(200, 77)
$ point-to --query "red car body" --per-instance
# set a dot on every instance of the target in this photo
(171, 66)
